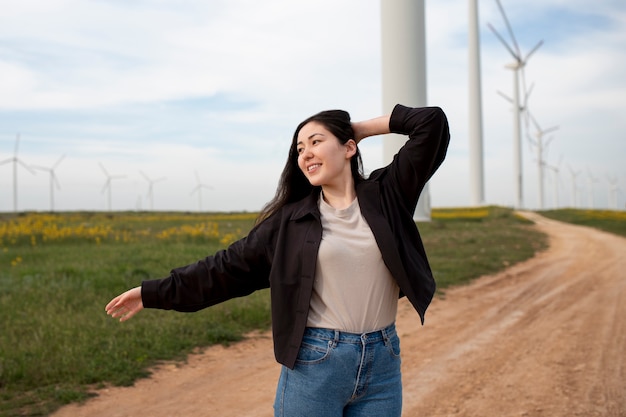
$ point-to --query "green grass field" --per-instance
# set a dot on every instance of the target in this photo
(608, 220)
(57, 272)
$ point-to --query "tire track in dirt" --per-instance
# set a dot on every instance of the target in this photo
(546, 337)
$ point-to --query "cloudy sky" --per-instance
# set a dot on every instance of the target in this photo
(191, 92)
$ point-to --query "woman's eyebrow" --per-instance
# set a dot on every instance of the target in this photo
(309, 138)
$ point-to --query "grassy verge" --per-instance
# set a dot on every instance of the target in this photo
(58, 271)
(612, 221)
(463, 244)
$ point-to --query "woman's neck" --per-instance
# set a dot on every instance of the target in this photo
(339, 197)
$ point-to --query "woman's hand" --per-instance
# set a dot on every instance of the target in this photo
(371, 127)
(125, 305)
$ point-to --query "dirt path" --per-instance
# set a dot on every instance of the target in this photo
(544, 338)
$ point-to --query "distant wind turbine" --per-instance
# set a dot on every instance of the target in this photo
(53, 179)
(150, 194)
(107, 184)
(613, 190)
(198, 189)
(518, 70)
(590, 181)
(15, 160)
(574, 174)
(540, 145)
(556, 169)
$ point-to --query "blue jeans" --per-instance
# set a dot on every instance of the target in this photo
(340, 374)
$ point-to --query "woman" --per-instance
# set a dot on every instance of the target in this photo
(336, 250)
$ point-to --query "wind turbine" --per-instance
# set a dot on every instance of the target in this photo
(53, 179)
(613, 190)
(15, 160)
(538, 142)
(590, 181)
(107, 184)
(403, 52)
(556, 169)
(518, 69)
(150, 194)
(198, 188)
(574, 174)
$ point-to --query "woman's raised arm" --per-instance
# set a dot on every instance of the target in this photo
(371, 127)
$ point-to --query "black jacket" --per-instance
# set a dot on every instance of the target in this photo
(281, 252)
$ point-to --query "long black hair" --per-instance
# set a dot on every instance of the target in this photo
(293, 185)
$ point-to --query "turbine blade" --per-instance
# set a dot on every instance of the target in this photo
(532, 51)
(501, 39)
(58, 162)
(507, 98)
(103, 170)
(532, 119)
(55, 180)
(26, 166)
(528, 93)
(510, 29)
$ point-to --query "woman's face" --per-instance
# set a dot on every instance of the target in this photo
(321, 157)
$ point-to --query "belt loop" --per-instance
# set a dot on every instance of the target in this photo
(385, 334)
(336, 338)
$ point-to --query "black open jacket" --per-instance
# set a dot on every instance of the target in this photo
(281, 252)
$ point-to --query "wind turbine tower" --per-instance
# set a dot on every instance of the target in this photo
(517, 66)
(198, 189)
(107, 184)
(555, 169)
(590, 181)
(613, 190)
(15, 160)
(403, 44)
(538, 142)
(574, 174)
(150, 194)
(477, 180)
(53, 179)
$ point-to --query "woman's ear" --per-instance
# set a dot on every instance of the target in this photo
(350, 148)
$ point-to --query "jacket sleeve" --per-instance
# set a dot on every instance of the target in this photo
(416, 162)
(237, 271)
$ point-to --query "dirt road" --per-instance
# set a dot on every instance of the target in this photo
(544, 338)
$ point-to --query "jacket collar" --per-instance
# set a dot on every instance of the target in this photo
(307, 206)
(367, 192)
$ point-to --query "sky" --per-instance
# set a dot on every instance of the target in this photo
(197, 100)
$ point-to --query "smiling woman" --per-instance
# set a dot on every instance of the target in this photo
(336, 250)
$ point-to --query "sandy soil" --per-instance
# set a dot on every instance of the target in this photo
(546, 337)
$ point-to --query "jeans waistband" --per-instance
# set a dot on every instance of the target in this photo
(347, 337)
